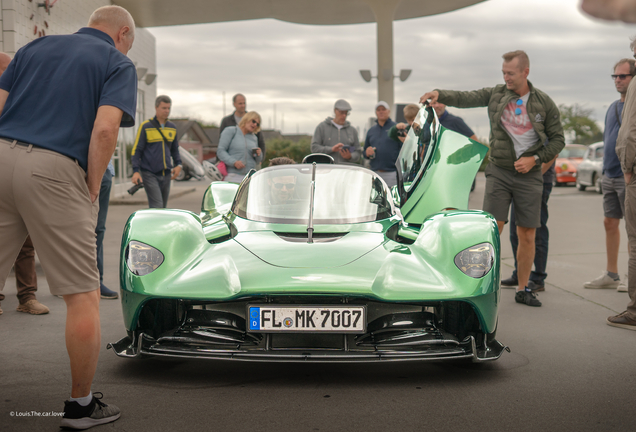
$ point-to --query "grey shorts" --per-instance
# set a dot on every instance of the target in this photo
(613, 196)
(525, 190)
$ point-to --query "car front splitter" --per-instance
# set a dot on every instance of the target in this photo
(465, 350)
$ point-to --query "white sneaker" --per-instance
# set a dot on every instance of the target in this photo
(604, 281)
(622, 287)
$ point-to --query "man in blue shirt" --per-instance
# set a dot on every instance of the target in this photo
(613, 182)
(380, 148)
(452, 122)
(62, 101)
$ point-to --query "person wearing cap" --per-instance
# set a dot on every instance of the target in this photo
(380, 148)
(336, 137)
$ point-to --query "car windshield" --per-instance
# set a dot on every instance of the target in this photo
(343, 195)
(416, 151)
(573, 152)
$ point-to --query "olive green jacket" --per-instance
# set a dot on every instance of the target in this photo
(543, 112)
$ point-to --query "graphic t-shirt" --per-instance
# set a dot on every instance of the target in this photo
(518, 126)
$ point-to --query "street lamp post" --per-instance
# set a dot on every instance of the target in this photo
(386, 78)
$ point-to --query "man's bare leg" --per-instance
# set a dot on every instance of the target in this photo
(83, 339)
(500, 225)
(612, 243)
(525, 255)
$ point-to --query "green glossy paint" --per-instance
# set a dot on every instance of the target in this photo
(445, 173)
(259, 259)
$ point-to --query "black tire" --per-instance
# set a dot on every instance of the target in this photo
(579, 186)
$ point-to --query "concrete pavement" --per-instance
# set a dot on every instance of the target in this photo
(568, 370)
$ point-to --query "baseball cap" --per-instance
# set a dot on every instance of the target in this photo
(342, 105)
(381, 103)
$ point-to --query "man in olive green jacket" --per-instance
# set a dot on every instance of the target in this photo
(526, 135)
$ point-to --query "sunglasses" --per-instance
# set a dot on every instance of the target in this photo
(286, 185)
(255, 122)
(519, 104)
(621, 76)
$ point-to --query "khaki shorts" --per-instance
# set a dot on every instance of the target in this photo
(44, 194)
(525, 190)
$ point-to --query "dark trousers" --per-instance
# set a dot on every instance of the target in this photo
(25, 278)
(100, 228)
(541, 239)
(157, 188)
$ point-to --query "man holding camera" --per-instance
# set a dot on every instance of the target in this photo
(156, 142)
(380, 149)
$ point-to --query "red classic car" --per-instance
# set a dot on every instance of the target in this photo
(567, 162)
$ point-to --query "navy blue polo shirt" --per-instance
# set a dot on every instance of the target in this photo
(386, 149)
(456, 124)
(611, 164)
(57, 83)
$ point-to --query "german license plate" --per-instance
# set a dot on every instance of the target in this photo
(309, 319)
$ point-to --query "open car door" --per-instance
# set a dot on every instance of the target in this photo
(436, 168)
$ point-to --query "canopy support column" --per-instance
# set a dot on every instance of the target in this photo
(384, 11)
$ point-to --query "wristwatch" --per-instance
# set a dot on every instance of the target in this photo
(537, 160)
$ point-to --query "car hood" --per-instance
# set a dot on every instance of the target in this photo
(574, 162)
(291, 250)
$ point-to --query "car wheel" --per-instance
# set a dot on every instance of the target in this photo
(598, 184)
(579, 186)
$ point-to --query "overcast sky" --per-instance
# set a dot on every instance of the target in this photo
(303, 69)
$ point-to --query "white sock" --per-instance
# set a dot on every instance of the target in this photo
(83, 401)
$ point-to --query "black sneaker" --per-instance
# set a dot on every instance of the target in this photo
(84, 417)
(510, 282)
(528, 298)
(536, 287)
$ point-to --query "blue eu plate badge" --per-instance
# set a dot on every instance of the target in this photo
(255, 318)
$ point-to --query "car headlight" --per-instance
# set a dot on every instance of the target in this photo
(476, 261)
(142, 259)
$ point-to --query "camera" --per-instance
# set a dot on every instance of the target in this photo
(135, 188)
(254, 153)
(402, 132)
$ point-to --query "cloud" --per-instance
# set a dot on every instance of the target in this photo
(303, 69)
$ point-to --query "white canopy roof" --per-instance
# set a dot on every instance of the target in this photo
(153, 13)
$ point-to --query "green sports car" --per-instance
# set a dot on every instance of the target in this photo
(321, 262)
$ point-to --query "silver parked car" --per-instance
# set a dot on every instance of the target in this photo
(191, 167)
(590, 171)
